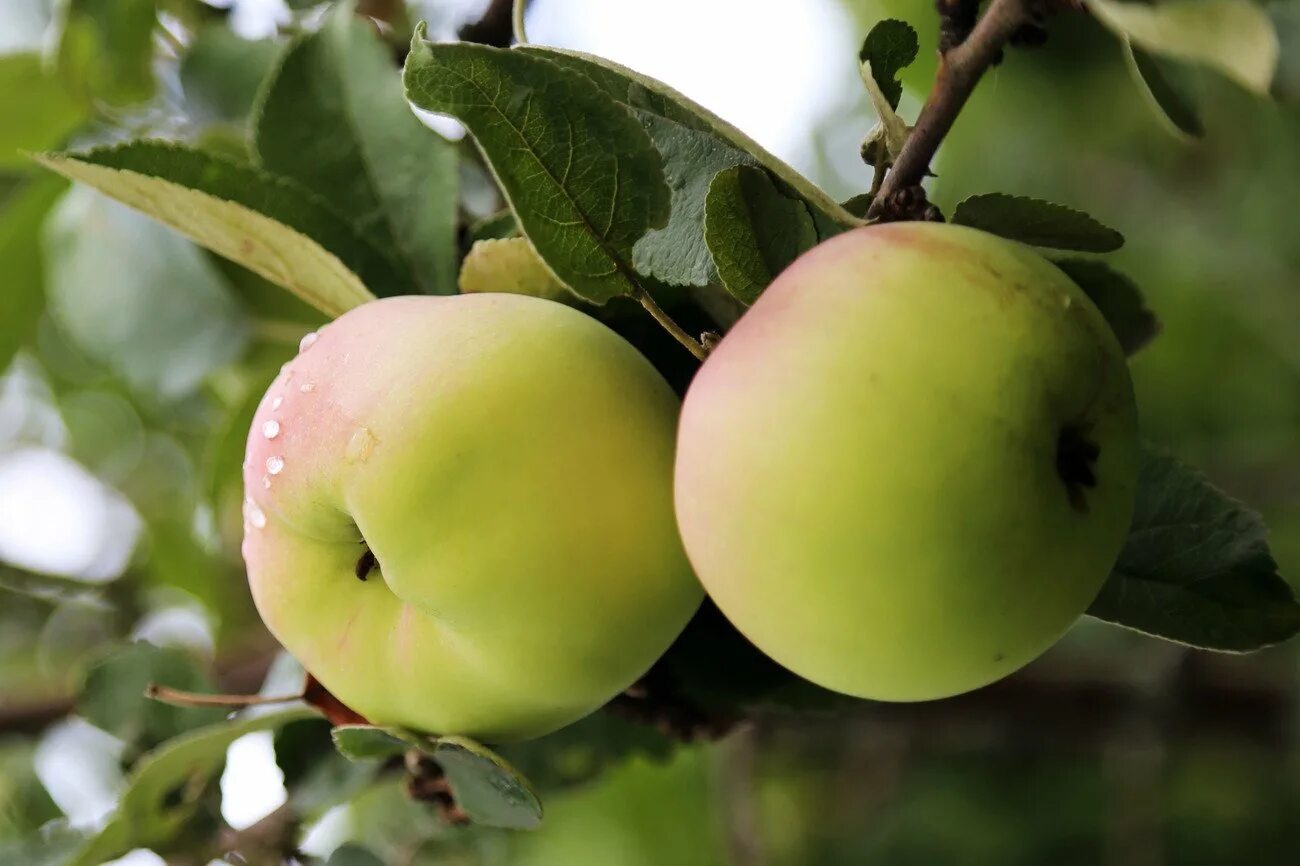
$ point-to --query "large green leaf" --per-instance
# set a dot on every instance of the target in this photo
(395, 178)
(1234, 37)
(1196, 568)
(269, 224)
(222, 73)
(38, 110)
(1036, 222)
(1159, 83)
(106, 49)
(581, 174)
(491, 792)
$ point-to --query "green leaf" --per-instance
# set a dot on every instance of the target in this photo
(678, 253)
(38, 110)
(890, 46)
(754, 232)
(106, 49)
(268, 224)
(164, 323)
(353, 855)
(222, 74)
(511, 265)
(1234, 37)
(1035, 222)
(112, 697)
(166, 785)
(581, 752)
(1196, 568)
(496, 227)
(369, 743)
(23, 297)
(490, 791)
(579, 172)
(1167, 98)
(647, 97)
(1118, 299)
(393, 177)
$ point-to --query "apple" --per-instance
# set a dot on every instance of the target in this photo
(459, 514)
(911, 465)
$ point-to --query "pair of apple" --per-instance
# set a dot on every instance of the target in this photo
(903, 474)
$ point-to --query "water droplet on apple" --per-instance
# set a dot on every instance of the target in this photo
(275, 465)
(1067, 301)
(307, 387)
(308, 341)
(277, 403)
(266, 481)
(253, 514)
(271, 429)
(360, 445)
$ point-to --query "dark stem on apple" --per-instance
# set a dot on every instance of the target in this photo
(960, 68)
(365, 564)
(1076, 463)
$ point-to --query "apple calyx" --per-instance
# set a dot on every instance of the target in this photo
(1076, 463)
(366, 563)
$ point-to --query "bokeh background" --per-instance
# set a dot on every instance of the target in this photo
(131, 361)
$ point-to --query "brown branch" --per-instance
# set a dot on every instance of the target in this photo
(493, 28)
(960, 69)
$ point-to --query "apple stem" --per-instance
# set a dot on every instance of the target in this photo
(517, 21)
(960, 68)
(178, 698)
(694, 346)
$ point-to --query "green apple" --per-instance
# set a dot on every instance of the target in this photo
(911, 465)
(459, 514)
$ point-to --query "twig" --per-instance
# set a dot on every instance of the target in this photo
(960, 69)
(517, 19)
(178, 698)
(694, 346)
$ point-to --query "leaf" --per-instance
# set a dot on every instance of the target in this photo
(38, 110)
(580, 174)
(268, 224)
(368, 743)
(1118, 299)
(498, 226)
(106, 49)
(112, 697)
(23, 296)
(581, 752)
(490, 791)
(165, 786)
(164, 323)
(1234, 37)
(890, 46)
(678, 253)
(1164, 95)
(511, 265)
(1035, 222)
(754, 232)
(222, 73)
(1196, 568)
(648, 97)
(395, 178)
(353, 855)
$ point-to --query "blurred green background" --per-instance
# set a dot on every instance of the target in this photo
(133, 359)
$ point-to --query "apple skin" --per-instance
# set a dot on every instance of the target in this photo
(508, 461)
(867, 480)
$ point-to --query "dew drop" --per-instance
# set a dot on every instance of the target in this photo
(277, 403)
(307, 387)
(255, 515)
(266, 481)
(271, 429)
(1067, 301)
(360, 446)
(308, 341)
(275, 465)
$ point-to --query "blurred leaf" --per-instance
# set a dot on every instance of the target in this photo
(394, 177)
(22, 297)
(106, 49)
(221, 73)
(24, 802)
(353, 855)
(166, 784)
(164, 322)
(1118, 299)
(754, 232)
(1286, 18)
(38, 110)
(368, 743)
(1196, 568)
(890, 46)
(582, 751)
(112, 697)
(647, 98)
(266, 223)
(1166, 98)
(582, 176)
(496, 227)
(1235, 37)
(1035, 222)
(511, 265)
(677, 253)
(55, 844)
(490, 791)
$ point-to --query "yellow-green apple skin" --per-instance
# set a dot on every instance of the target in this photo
(508, 461)
(869, 473)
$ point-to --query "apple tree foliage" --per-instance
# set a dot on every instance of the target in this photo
(297, 163)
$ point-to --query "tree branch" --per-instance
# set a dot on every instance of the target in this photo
(960, 69)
